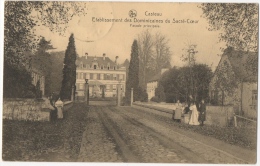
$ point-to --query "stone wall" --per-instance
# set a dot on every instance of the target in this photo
(67, 105)
(219, 115)
(27, 109)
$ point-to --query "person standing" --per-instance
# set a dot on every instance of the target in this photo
(178, 111)
(202, 110)
(194, 115)
(59, 105)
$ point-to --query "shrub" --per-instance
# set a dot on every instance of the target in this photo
(155, 99)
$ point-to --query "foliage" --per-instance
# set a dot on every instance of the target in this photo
(20, 19)
(17, 82)
(39, 141)
(57, 59)
(133, 74)
(38, 90)
(42, 61)
(154, 52)
(237, 21)
(69, 69)
(176, 81)
(155, 99)
(142, 95)
(159, 92)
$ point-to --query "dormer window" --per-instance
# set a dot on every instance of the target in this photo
(95, 66)
(108, 66)
(102, 67)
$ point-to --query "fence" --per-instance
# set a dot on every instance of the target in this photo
(243, 122)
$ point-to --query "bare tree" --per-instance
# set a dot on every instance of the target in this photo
(162, 56)
(145, 46)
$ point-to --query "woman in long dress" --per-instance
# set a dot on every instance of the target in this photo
(194, 115)
(59, 105)
(178, 111)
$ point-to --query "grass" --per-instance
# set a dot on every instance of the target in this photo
(245, 136)
(28, 141)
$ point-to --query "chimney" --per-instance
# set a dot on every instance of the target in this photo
(86, 55)
(116, 59)
(104, 56)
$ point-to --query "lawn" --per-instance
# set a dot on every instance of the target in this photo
(45, 141)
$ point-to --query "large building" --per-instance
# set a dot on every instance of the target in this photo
(103, 74)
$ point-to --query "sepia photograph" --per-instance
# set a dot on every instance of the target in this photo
(129, 82)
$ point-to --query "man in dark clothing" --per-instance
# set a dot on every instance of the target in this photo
(202, 110)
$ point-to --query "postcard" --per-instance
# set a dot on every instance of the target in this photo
(130, 82)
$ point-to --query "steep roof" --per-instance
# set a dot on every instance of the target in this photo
(155, 77)
(99, 60)
(238, 61)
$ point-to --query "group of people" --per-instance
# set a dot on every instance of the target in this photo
(197, 114)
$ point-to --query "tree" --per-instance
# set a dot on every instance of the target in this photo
(162, 55)
(145, 48)
(38, 90)
(154, 55)
(69, 70)
(159, 92)
(176, 81)
(133, 74)
(20, 18)
(238, 23)
(42, 61)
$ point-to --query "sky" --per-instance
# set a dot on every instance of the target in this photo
(116, 38)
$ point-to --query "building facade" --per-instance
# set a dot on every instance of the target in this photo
(103, 74)
(152, 84)
(234, 84)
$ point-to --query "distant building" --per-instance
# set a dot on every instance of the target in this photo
(152, 84)
(233, 67)
(103, 74)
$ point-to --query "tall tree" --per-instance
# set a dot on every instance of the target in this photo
(162, 55)
(133, 73)
(42, 61)
(145, 47)
(20, 19)
(69, 69)
(238, 23)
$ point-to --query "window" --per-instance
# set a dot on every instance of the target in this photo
(107, 67)
(114, 76)
(114, 87)
(101, 76)
(81, 75)
(87, 75)
(114, 68)
(94, 76)
(121, 77)
(95, 66)
(81, 86)
(91, 76)
(102, 67)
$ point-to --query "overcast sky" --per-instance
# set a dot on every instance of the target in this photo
(115, 39)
